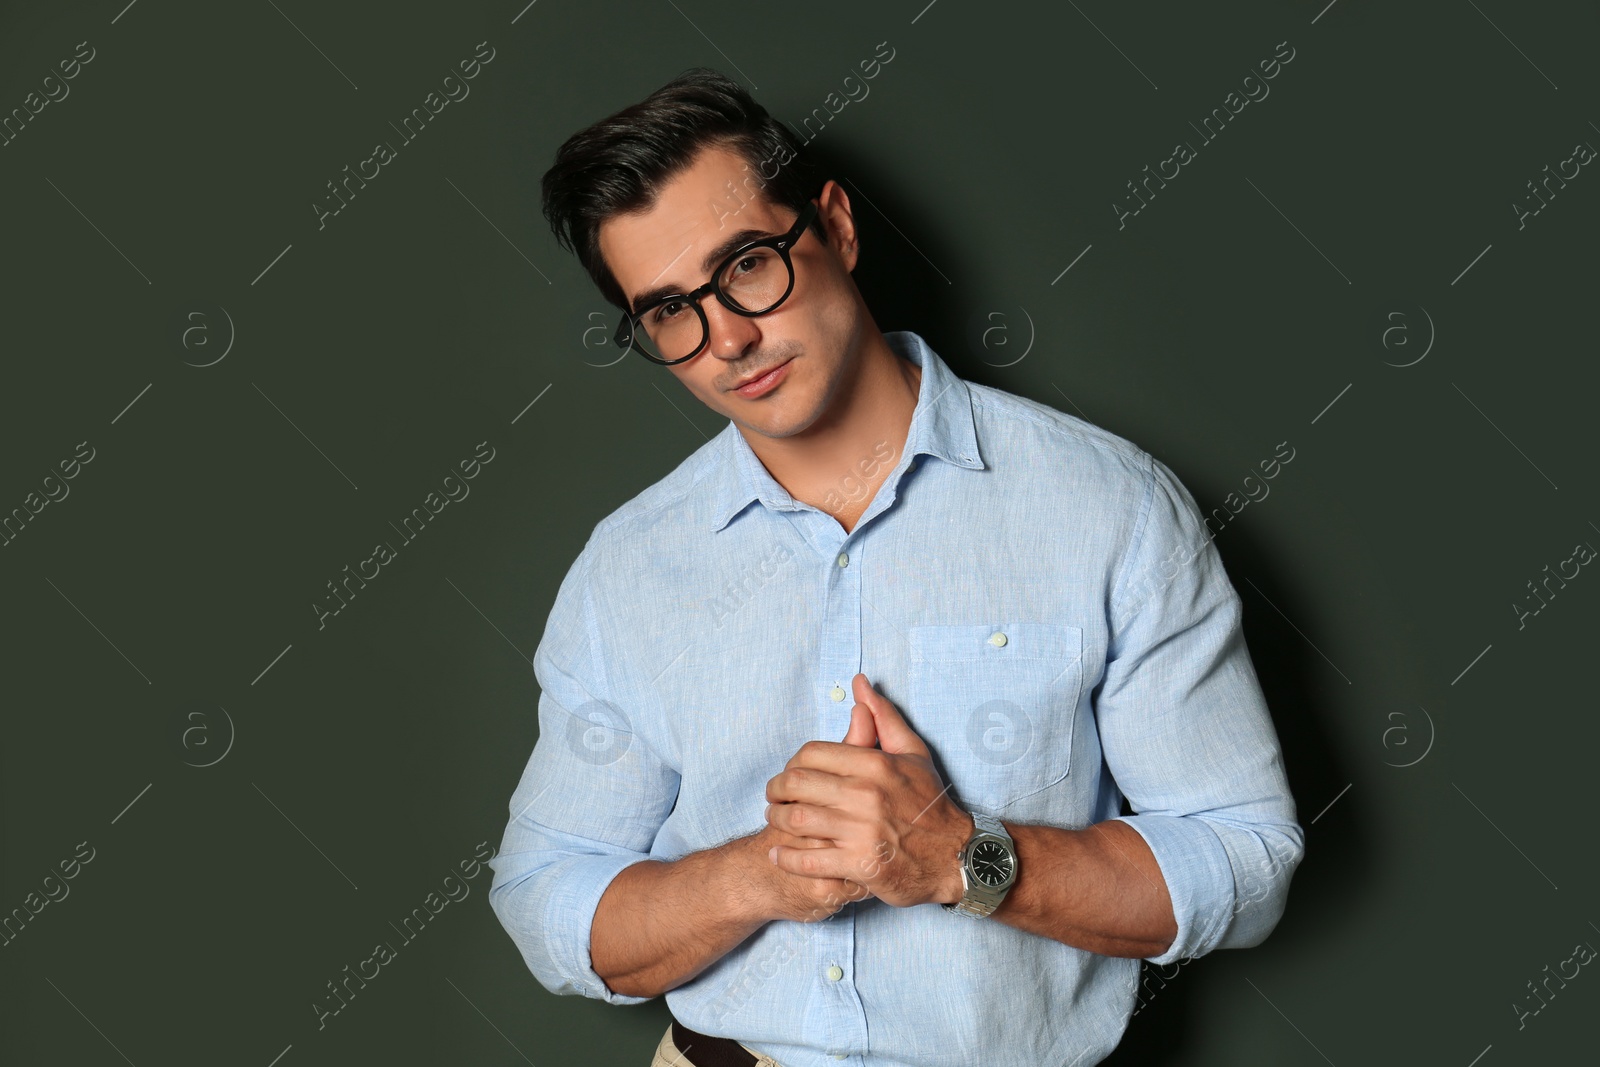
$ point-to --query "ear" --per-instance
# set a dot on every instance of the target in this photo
(833, 208)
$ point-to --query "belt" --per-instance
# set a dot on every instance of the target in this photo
(703, 1051)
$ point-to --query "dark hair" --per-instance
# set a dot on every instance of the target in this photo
(620, 164)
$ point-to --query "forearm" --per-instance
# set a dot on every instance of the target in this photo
(659, 924)
(1097, 889)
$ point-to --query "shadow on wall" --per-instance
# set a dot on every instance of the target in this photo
(897, 281)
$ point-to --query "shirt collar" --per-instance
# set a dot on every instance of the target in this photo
(941, 425)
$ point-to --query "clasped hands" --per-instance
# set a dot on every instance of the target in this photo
(870, 810)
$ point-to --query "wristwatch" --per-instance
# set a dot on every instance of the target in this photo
(988, 867)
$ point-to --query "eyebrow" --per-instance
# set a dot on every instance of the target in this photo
(712, 259)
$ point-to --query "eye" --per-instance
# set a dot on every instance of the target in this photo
(668, 311)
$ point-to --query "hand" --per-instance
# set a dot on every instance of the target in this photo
(799, 897)
(876, 816)
(792, 896)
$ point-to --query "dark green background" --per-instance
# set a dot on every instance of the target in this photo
(377, 352)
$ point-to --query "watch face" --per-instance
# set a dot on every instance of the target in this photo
(990, 863)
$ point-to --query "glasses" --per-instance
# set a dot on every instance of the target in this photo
(752, 280)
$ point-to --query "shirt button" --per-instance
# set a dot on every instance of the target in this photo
(838, 1055)
(911, 466)
(835, 973)
(844, 559)
(997, 639)
(836, 693)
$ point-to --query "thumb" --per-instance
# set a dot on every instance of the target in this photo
(894, 733)
(863, 729)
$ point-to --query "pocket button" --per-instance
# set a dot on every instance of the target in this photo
(996, 705)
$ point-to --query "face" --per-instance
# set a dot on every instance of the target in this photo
(815, 334)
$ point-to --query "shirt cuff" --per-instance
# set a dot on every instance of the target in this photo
(563, 923)
(1199, 880)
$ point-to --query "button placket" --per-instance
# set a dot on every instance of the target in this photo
(840, 660)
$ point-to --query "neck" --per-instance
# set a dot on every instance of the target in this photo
(838, 463)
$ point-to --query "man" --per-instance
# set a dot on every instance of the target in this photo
(837, 719)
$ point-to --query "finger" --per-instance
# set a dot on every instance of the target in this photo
(806, 784)
(846, 760)
(810, 862)
(805, 820)
(863, 731)
(857, 890)
(796, 841)
(894, 733)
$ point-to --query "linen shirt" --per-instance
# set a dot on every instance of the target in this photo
(1041, 600)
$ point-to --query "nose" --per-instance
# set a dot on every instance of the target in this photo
(730, 336)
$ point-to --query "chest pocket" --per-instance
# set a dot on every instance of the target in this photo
(996, 704)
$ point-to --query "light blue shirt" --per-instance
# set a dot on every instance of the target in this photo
(1042, 601)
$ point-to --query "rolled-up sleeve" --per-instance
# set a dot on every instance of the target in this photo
(1186, 733)
(589, 803)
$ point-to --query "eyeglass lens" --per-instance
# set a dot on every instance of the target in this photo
(755, 282)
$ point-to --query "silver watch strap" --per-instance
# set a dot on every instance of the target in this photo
(989, 824)
(977, 902)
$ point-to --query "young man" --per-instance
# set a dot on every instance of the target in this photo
(837, 719)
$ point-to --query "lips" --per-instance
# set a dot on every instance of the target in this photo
(757, 376)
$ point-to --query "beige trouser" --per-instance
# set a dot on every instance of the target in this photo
(669, 1055)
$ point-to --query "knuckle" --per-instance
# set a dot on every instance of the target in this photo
(876, 804)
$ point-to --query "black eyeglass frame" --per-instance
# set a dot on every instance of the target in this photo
(782, 243)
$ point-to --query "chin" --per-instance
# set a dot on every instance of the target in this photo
(786, 422)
